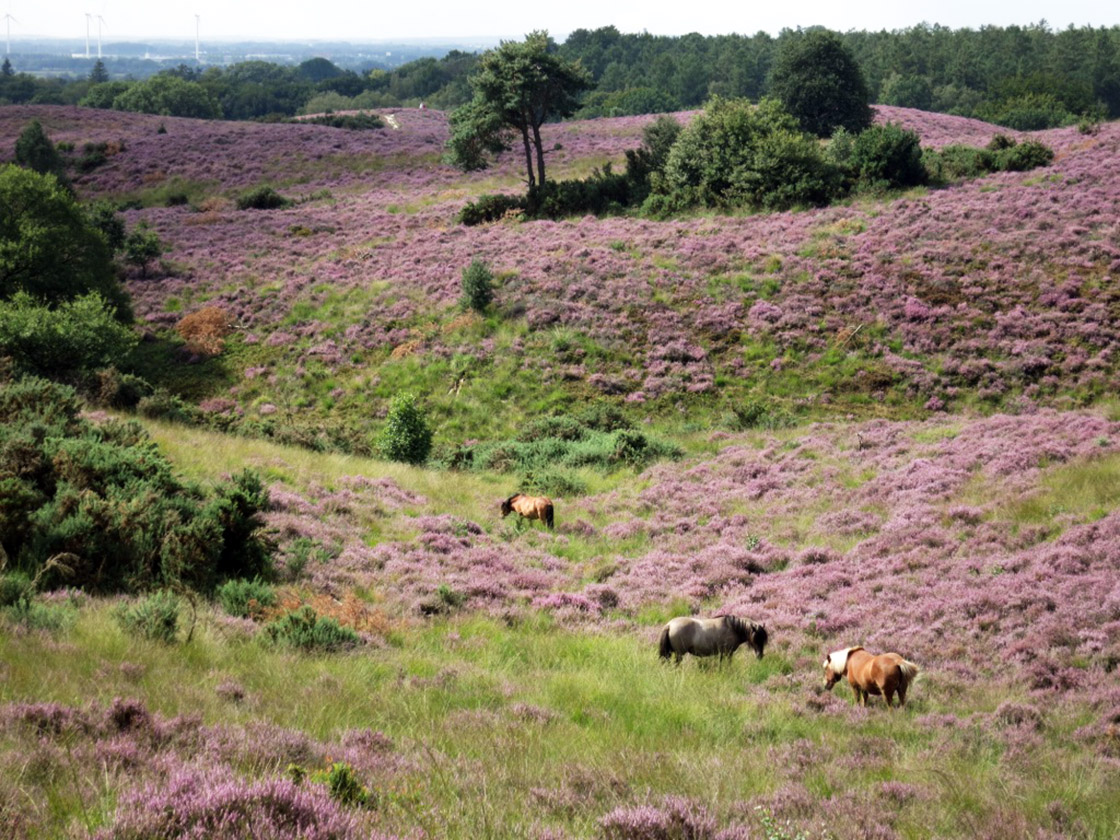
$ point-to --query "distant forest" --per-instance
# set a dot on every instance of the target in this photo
(1026, 77)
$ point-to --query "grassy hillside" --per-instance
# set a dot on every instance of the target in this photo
(896, 428)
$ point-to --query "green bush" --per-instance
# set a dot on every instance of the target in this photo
(48, 246)
(736, 154)
(352, 122)
(245, 598)
(478, 286)
(105, 496)
(77, 335)
(491, 208)
(163, 405)
(887, 157)
(261, 198)
(155, 617)
(1025, 156)
(306, 630)
(14, 587)
(406, 436)
(552, 483)
(36, 152)
(343, 786)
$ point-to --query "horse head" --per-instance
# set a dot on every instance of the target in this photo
(507, 505)
(836, 666)
(758, 638)
(749, 633)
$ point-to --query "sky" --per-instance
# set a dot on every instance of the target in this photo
(350, 20)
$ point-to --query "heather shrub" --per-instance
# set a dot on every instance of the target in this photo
(405, 436)
(677, 818)
(245, 598)
(306, 630)
(261, 198)
(216, 805)
(155, 617)
(478, 286)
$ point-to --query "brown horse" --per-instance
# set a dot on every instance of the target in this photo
(867, 673)
(531, 507)
(719, 636)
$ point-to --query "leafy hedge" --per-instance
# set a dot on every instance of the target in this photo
(104, 500)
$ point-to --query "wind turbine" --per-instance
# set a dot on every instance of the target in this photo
(89, 17)
(8, 20)
(196, 53)
(100, 20)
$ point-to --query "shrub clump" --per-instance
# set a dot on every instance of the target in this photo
(406, 436)
(205, 331)
(492, 208)
(307, 630)
(352, 122)
(105, 496)
(155, 617)
(887, 157)
(261, 198)
(736, 154)
(246, 598)
(478, 286)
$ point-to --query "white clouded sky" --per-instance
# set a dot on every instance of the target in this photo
(370, 20)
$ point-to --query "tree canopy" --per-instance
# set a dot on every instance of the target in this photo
(48, 246)
(517, 88)
(820, 83)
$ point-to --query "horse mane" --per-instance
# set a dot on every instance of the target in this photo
(511, 498)
(747, 631)
(837, 661)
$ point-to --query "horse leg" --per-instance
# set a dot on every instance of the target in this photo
(888, 695)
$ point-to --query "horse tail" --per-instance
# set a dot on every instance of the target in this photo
(908, 670)
(548, 514)
(666, 648)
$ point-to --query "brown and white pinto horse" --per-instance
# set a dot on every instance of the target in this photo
(531, 507)
(885, 674)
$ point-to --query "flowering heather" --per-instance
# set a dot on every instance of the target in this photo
(998, 287)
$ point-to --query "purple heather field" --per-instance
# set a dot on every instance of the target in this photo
(999, 285)
(948, 539)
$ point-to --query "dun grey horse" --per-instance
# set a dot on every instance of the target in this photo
(719, 636)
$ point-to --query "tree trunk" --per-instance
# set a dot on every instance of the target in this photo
(528, 158)
(540, 153)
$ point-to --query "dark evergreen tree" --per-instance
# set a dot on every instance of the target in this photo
(35, 151)
(819, 82)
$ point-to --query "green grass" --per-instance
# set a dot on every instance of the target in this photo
(494, 719)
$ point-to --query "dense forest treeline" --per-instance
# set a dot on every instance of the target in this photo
(1026, 77)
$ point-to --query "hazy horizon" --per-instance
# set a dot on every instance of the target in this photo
(337, 20)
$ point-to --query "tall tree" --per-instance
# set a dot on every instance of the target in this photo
(517, 88)
(818, 81)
